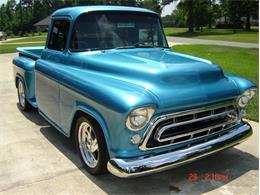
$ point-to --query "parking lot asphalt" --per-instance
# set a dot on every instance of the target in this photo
(36, 159)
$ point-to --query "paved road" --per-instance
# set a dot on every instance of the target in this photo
(180, 40)
(36, 159)
(11, 39)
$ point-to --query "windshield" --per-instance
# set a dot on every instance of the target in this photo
(98, 31)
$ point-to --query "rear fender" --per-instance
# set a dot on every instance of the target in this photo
(24, 70)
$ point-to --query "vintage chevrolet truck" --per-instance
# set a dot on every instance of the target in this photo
(107, 79)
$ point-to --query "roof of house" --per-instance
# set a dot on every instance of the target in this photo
(74, 12)
(43, 22)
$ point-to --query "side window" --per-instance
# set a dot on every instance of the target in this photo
(59, 35)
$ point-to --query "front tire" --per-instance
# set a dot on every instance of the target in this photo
(91, 146)
(23, 103)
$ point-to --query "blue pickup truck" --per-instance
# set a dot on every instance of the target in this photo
(108, 80)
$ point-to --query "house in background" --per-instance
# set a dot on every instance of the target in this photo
(225, 22)
(42, 25)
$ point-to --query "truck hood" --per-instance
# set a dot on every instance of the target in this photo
(175, 79)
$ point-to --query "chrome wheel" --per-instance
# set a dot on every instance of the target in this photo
(21, 93)
(88, 144)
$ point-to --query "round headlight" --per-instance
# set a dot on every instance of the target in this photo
(243, 101)
(138, 118)
(246, 97)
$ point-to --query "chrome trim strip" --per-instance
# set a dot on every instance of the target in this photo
(158, 119)
(126, 168)
(160, 132)
(195, 132)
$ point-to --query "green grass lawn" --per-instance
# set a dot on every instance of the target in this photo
(240, 61)
(28, 39)
(10, 48)
(216, 34)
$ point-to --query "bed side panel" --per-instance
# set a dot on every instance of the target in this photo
(24, 69)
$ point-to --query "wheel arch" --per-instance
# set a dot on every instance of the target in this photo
(18, 76)
(90, 113)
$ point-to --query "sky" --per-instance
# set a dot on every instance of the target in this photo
(167, 9)
(2, 1)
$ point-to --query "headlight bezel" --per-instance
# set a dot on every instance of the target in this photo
(134, 113)
(246, 96)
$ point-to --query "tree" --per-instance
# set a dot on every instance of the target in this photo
(235, 12)
(176, 19)
(203, 15)
(9, 16)
(224, 10)
(187, 7)
(3, 18)
(250, 9)
(152, 5)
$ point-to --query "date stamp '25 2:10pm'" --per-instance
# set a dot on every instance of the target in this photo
(208, 177)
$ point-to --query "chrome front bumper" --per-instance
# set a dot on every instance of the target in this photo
(144, 166)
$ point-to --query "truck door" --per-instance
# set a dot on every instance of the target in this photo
(46, 71)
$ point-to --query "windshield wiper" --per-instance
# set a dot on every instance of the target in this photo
(126, 47)
(136, 45)
(143, 45)
(90, 49)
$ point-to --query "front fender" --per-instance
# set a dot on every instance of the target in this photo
(242, 83)
(108, 100)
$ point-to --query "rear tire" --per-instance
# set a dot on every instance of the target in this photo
(21, 91)
(91, 145)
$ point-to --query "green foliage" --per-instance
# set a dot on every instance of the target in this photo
(152, 5)
(202, 13)
(197, 13)
(16, 17)
(237, 9)
(176, 19)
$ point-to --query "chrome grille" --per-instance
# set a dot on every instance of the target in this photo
(191, 125)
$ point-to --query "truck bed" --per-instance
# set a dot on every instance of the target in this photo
(24, 69)
(32, 52)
